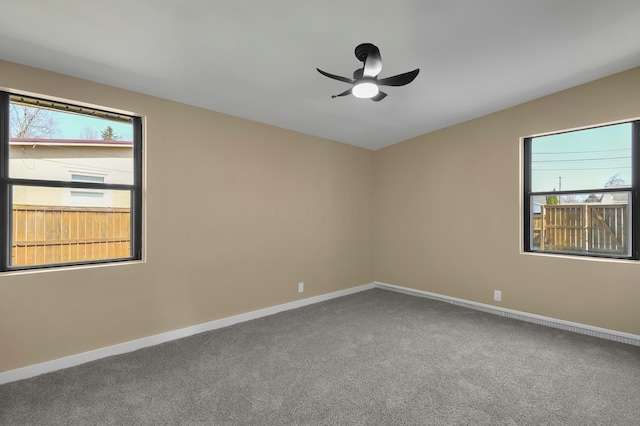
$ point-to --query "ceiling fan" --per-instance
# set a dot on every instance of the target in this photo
(365, 80)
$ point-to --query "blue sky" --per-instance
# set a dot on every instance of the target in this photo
(74, 126)
(68, 125)
(584, 159)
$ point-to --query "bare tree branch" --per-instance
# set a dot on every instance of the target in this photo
(28, 122)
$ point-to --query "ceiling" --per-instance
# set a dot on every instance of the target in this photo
(257, 59)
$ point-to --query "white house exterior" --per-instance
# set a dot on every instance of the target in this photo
(101, 161)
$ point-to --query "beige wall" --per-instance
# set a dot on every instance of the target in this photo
(237, 213)
(448, 216)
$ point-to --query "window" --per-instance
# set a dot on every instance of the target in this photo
(70, 184)
(581, 192)
(86, 178)
(76, 197)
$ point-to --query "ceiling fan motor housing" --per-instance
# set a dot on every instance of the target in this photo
(362, 51)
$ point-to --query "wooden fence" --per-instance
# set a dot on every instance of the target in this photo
(592, 228)
(47, 235)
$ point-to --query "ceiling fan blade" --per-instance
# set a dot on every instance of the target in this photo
(335, 77)
(345, 93)
(400, 79)
(380, 96)
(373, 63)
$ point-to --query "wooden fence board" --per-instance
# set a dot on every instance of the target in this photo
(48, 235)
(595, 228)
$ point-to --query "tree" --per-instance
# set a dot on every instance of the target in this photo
(28, 122)
(89, 133)
(593, 198)
(109, 135)
(570, 199)
(614, 181)
(552, 200)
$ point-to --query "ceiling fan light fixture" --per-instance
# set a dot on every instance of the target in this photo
(365, 82)
(365, 89)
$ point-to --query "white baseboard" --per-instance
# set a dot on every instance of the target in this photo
(78, 359)
(603, 333)
(81, 358)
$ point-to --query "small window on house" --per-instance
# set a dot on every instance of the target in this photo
(579, 191)
(86, 178)
(70, 184)
(97, 194)
(87, 197)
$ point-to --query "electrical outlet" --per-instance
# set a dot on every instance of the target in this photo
(497, 295)
(300, 287)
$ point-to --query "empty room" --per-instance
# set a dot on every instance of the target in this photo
(319, 213)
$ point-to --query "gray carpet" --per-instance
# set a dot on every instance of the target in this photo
(372, 358)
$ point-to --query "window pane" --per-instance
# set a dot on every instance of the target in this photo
(47, 143)
(87, 178)
(585, 159)
(597, 223)
(57, 225)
